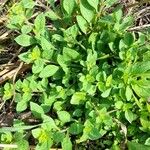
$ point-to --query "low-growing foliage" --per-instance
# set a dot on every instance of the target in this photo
(89, 78)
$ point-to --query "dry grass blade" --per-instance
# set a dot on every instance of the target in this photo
(16, 55)
(142, 11)
(5, 36)
(12, 73)
(2, 20)
(14, 146)
(140, 3)
(137, 28)
(2, 3)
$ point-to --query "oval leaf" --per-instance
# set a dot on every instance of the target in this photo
(66, 144)
(106, 93)
(64, 116)
(94, 3)
(130, 116)
(83, 24)
(25, 40)
(87, 11)
(36, 110)
(49, 71)
(68, 6)
(128, 93)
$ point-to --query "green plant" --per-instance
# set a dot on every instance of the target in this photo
(89, 78)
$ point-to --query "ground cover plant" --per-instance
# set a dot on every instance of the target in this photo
(88, 79)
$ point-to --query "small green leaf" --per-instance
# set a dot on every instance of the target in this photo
(36, 132)
(128, 38)
(62, 63)
(57, 37)
(22, 144)
(94, 3)
(69, 6)
(144, 122)
(28, 3)
(44, 82)
(106, 93)
(18, 97)
(35, 54)
(141, 91)
(33, 85)
(58, 137)
(137, 146)
(128, 93)
(45, 144)
(46, 44)
(66, 143)
(48, 123)
(64, 116)
(118, 15)
(71, 32)
(48, 71)
(39, 23)
(8, 91)
(142, 38)
(58, 105)
(140, 67)
(76, 128)
(93, 39)
(26, 96)
(78, 98)
(21, 106)
(109, 81)
(77, 113)
(52, 15)
(25, 86)
(36, 110)
(147, 142)
(83, 24)
(25, 40)
(126, 23)
(70, 54)
(130, 116)
(25, 57)
(47, 47)
(119, 104)
(7, 137)
(110, 2)
(94, 134)
(7, 86)
(38, 66)
(87, 11)
(26, 29)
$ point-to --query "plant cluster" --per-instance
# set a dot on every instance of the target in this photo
(89, 77)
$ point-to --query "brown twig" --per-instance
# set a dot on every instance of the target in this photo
(16, 54)
(2, 20)
(137, 3)
(5, 36)
(11, 73)
(14, 78)
(146, 9)
(139, 27)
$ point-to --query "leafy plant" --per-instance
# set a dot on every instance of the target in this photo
(89, 78)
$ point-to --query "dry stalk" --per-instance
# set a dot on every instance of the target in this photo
(137, 28)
